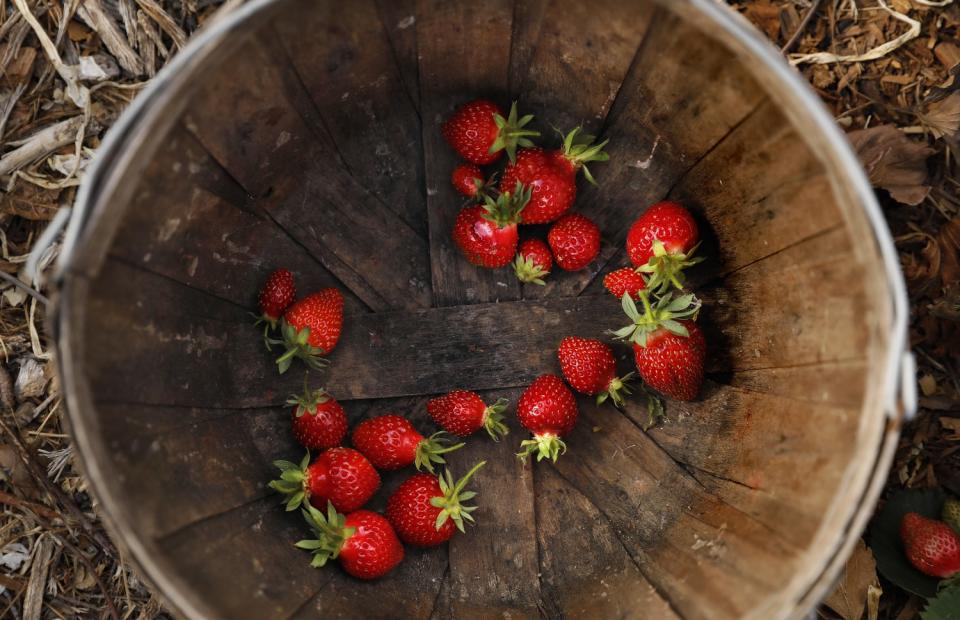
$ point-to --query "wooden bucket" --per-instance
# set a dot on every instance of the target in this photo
(306, 134)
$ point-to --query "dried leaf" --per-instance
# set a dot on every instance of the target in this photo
(943, 117)
(893, 162)
(850, 596)
(949, 241)
(922, 272)
(30, 202)
(765, 16)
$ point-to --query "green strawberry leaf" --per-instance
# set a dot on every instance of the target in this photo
(887, 546)
(946, 606)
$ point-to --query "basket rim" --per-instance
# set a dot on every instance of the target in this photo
(731, 29)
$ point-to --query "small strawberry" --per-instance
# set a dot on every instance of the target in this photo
(951, 514)
(311, 329)
(463, 413)
(662, 242)
(553, 175)
(575, 241)
(930, 545)
(467, 179)
(276, 296)
(533, 262)
(589, 367)
(669, 349)
(363, 541)
(624, 281)
(478, 132)
(425, 510)
(339, 475)
(318, 420)
(487, 234)
(548, 410)
(391, 442)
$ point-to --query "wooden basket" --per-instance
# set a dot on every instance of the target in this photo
(306, 134)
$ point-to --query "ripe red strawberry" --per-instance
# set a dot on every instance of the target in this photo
(533, 262)
(589, 367)
(425, 510)
(463, 413)
(548, 410)
(318, 420)
(311, 329)
(363, 541)
(487, 234)
(391, 442)
(575, 241)
(467, 179)
(341, 476)
(662, 242)
(624, 281)
(276, 296)
(669, 349)
(553, 175)
(478, 132)
(930, 545)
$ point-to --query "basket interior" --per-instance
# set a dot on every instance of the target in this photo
(315, 144)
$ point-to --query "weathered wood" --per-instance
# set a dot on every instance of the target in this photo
(345, 61)
(833, 383)
(399, 19)
(458, 62)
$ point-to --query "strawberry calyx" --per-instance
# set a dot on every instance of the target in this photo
(512, 133)
(493, 419)
(664, 314)
(950, 514)
(616, 390)
(579, 149)
(505, 210)
(529, 271)
(297, 344)
(666, 267)
(292, 482)
(545, 445)
(430, 449)
(308, 401)
(450, 503)
(655, 411)
(331, 533)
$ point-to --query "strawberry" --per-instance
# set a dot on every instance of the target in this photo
(478, 132)
(318, 420)
(548, 410)
(624, 281)
(930, 545)
(363, 541)
(467, 179)
(533, 262)
(463, 413)
(391, 442)
(553, 175)
(425, 510)
(311, 328)
(339, 475)
(951, 514)
(487, 234)
(575, 241)
(669, 349)
(589, 367)
(276, 296)
(662, 242)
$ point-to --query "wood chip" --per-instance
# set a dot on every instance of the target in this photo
(947, 53)
(33, 600)
(93, 13)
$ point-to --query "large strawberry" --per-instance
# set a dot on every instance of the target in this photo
(930, 545)
(276, 296)
(426, 510)
(311, 329)
(463, 413)
(533, 262)
(662, 242)
(552, 175)
(478, 132)
(363, 541)
(575, 241)
(669, 349)
(339, 475)
(391, 442)
(318, 420)
(548, 410)
(626, 281)
(487, 234)
(589, 367)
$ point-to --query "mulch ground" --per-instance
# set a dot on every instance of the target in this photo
(888, 69)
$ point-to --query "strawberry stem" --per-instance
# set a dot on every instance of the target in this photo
(666, 268)
(545, 445)
(308, 401)
(493, 419)
(512, 133)
(331, 534)
(292, 482)
(297, 344)
(429, 451)
(664, 314)
(579, 149)
(618, 387)
(505, 210)
(529, 271)
(453, 494)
